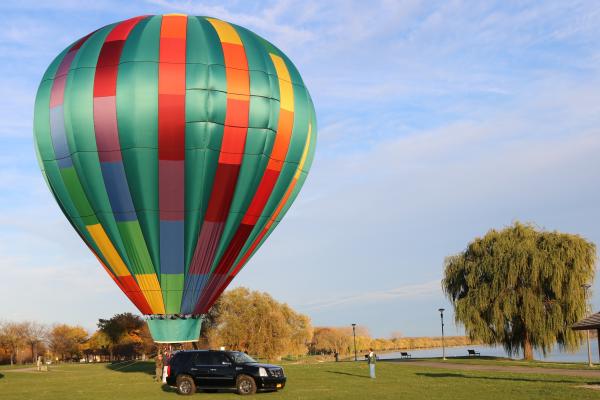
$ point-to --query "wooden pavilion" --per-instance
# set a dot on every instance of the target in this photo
(588, 324)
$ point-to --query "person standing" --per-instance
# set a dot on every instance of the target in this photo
(166, 360)
(158, 363)
(372, 359)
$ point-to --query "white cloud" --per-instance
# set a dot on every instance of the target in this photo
(405, 293)
(392, 211)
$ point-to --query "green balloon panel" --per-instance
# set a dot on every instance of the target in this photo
(174, 145)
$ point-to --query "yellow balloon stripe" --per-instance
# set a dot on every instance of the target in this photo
(286, 92)
(152, 292)
(225, 31)
(290, 189)
(108, 250)
(148, 283)
(279, 208)
(303, 158)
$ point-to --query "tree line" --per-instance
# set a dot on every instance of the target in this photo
(254, 322)
(123, 336)
(520, 287)
(331, 340)
(241, 319)
(24, 341)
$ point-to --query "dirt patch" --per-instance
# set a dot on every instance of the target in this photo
(590, 386)
(505, 368)
(30, 370)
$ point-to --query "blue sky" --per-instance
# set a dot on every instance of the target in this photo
(437, 122)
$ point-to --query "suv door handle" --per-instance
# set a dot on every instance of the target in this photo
(212, 369)
(193, 369)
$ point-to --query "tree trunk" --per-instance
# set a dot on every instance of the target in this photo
(527, 349)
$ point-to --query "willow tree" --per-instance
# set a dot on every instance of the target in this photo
(254, 322)
(521, 287)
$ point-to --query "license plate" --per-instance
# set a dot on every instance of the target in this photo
(278, 385)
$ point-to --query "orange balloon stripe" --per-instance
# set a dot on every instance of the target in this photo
(232, 146)
(223, 284)
(267, 182)
(279, 208)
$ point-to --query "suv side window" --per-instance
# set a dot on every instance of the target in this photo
(219, 359)
(202, 358)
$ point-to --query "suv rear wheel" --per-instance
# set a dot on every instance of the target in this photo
(245, 385)
(186, 385)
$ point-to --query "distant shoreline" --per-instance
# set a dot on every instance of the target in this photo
(427, 348)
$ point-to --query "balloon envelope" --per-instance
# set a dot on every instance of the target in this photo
(174, 145)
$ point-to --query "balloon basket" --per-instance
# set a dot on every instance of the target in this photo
(174, 329)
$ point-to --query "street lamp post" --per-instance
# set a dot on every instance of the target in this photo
(441, 310)
(586, 287)
(354, 334)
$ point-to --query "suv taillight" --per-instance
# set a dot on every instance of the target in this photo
(169, 370)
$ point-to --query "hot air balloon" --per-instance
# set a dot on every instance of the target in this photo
(174, 145)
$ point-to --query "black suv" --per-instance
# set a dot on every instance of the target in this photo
(211, 369)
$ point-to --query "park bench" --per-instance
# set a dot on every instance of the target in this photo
(473, 353)
(404, 354)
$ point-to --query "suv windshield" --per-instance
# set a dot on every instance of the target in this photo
(241, 358)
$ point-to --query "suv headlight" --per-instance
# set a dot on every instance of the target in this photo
(262, 372)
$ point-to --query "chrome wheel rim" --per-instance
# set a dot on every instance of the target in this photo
(245, 386)
(185, 387)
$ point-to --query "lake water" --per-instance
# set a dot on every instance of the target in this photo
(556, 355)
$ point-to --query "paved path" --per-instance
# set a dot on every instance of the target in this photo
(28, 370)
(503, 368)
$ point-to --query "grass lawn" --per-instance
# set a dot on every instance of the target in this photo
(305, 381)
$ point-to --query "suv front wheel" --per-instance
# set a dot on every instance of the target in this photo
(245, 385)
(186, 385)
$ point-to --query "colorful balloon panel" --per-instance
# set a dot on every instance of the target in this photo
(174, 145)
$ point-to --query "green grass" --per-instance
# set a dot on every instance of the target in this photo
(305, 381)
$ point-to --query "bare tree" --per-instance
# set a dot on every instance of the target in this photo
(396, 335)
(34, 334)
